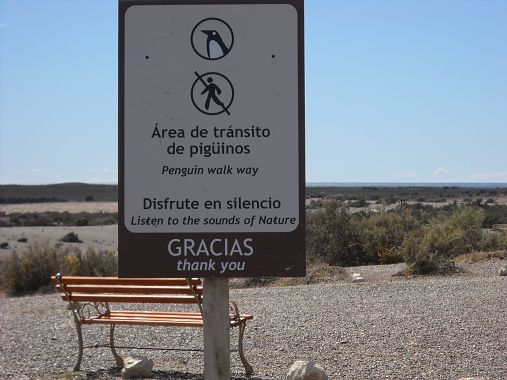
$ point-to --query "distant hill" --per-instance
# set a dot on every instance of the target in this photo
(72, 192)
(62, 192)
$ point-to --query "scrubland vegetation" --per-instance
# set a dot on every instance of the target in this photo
(54, 218)
(62, 192)
(426, 239)
(31, 270)
(429, 229)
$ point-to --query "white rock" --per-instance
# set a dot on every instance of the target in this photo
(357, 277)
(503, 271)
(136, 366)
(304, 370)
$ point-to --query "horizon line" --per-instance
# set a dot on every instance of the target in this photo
(308, 183)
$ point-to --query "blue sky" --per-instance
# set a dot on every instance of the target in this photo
(396, 91)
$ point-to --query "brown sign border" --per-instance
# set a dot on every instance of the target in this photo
(280, 254)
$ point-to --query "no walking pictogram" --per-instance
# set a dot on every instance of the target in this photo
(212, 93)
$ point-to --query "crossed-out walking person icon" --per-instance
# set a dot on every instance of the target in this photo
(212, 93)
(212, 89)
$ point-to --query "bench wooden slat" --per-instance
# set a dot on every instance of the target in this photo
(129, 289)
(140, 314)
(138, 298)
(154, 315)
(189, 322)
(145, 322)
(88, 280)
(150, 312)
(150, 322)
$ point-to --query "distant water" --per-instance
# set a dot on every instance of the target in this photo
(470, 185)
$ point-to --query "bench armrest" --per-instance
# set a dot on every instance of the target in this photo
(233, 307)
(82, 311)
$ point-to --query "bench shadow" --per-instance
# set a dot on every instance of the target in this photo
(160, 374)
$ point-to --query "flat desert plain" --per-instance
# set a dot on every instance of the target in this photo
(99, 237)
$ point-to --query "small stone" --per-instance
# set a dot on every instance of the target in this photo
(305, 370)
(503, 271)
(136, 366)
(357, 277)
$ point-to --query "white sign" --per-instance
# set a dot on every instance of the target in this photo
(211, 123)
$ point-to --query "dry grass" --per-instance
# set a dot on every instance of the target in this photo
(314, 273)
(480, 257)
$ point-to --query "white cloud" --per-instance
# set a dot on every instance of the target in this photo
(439, 171)
(107, 170)
(35, 170)
(91, 170)
(488, 177)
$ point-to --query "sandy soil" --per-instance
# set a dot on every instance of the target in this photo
(71, 207)
(100, 237)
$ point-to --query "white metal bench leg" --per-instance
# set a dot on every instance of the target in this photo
(248, 368)
(77, 322)
(117, 358)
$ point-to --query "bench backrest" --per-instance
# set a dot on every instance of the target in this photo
(139, 290)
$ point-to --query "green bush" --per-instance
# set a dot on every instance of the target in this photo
(430, 248)
(495, 214)
(382, 232)
(31, 270)
(331, 236)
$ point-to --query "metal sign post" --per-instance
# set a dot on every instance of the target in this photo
(211, 146)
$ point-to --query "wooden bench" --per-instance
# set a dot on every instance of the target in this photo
(89, 299)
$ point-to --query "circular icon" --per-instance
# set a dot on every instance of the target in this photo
(212, 93)
(212, 38)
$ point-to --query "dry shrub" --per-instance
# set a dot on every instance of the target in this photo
(430, 249)
(480, 257)
(382, 232)
(30, 270)
(331, 236)
(389, 256)
(71, 237)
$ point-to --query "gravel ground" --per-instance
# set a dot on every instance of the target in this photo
(385, 328)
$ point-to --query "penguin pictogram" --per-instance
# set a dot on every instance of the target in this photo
(215, 46)
(212, 38)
